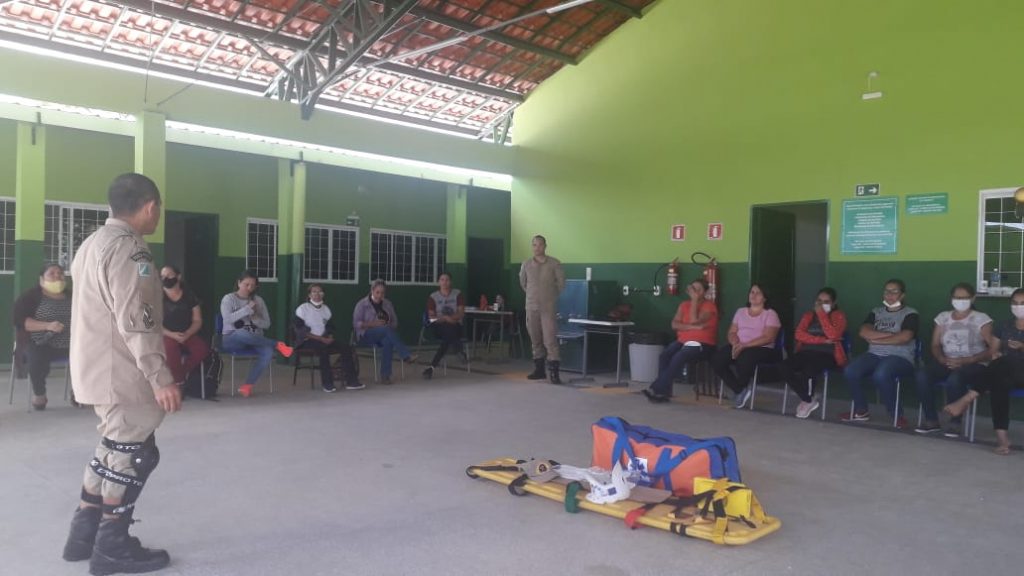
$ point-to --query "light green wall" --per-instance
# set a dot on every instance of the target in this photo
(8, 156)
(705, 107)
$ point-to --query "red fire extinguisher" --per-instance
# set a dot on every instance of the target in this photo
(673, 277)
(710, 273)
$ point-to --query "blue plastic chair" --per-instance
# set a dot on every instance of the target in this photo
(218, 345)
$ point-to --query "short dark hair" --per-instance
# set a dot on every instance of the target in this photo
(309, 289)
(703, 283)
(46, 268)
(173, 268)
(966, 287)
(1017, 292)
(128, 193)
(898, 282)
(831, 293)
(248, 274)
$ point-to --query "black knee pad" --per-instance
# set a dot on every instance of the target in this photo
(144, 456)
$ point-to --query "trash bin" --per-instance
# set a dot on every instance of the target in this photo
(644, 350)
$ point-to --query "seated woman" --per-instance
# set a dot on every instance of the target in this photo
(374, 320)
(751, 342)
(445, 309)
(696, 326)
(1005, 373)
(42, 320)
(891, 333)
(183, 319)
(245, 318)
(819, 347)
(314, 331)
(959, 354)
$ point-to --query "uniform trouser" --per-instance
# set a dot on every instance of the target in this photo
(39, 358)
(542, 325)
(197, 350)
(128, 423)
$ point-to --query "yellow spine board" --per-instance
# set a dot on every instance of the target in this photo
(736, 531)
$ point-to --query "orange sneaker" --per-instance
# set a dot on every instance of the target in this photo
(285, 349)
(245, 390)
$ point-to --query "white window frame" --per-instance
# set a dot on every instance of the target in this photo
(333, 228)
(981, 278)
(14, 240)
(412, 269)
(72, 206)
(277, 229)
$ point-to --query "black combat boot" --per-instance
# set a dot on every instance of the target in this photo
(538, 370)
(115, 551)
(84, 525)
(553, 372)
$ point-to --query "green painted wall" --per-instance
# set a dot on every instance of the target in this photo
(80, 165)
(705, 107)
(8, 153)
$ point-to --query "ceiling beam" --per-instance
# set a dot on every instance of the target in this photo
(468, 28)
(620, 7)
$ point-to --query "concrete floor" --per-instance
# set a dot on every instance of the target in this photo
(372, 483)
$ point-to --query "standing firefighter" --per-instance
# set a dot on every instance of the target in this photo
(543, 280)
(118, 366)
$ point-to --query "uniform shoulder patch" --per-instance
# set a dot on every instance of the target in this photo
(145, 269)
(142, 256)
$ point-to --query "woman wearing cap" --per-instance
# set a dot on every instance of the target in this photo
(819, 347)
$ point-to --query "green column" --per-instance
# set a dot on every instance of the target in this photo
(291, 239)
(30, 198)
(455, 225)
(151, 160)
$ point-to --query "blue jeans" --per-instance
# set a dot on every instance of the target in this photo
(388, 341)
(247, 343)
(883, 372)
(954, 382)
(672, 360)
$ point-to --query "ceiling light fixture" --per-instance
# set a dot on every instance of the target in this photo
(459, 39)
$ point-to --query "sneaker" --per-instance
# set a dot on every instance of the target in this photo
(743, 397)
(411, 359)
(245, 390)
(357, 385)
(428, 373)
(285, 349)
(805, 409)
(901, 423)
(331, 389)
(928, 427)
(38, 402)
(654, 397)
(855, 417)
(952, 431)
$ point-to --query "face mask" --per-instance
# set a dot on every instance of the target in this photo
(170, 282)
(896, 304)
(53, 286)
(1018, 310)
(827, 308)
(961, 304)
(316, 303)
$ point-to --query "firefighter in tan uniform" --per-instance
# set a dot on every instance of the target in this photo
(118, 367)
(543, 280)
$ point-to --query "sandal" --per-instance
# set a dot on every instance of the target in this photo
(1002, 450)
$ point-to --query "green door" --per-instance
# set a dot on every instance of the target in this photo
(773, 261)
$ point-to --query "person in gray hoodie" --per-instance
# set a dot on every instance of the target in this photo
(375, 323)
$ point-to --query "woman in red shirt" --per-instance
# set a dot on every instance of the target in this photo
(819, 347)
(696, 326)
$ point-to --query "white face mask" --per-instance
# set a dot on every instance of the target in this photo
(961, 304)
(895, 304)
(827, 308)
(1018, 310)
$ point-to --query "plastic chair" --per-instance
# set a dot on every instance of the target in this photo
(218, 345)
(202, 374)
(59, 362)
(354, 341)
(896, 405)
(298, 354)
(427, 337)
(780, 347)
(847, 346)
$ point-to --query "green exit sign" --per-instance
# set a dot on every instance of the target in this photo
(868, 189)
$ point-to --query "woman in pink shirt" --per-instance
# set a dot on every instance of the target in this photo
(751, 342)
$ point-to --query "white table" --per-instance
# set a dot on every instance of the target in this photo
(603, 327)
(490, 316)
